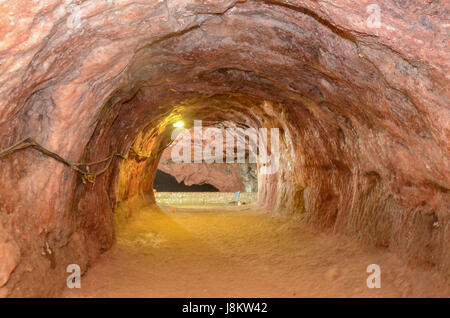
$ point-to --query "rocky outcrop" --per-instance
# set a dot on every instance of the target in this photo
(213, 169)
(359, 92)
(224, 177)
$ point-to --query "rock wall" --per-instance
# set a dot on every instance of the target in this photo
(362, 108)
(213, 168)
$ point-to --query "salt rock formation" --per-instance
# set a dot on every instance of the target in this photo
(224, 177)
(360, 95)
(213, 168)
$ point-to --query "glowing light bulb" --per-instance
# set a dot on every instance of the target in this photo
(179, 124)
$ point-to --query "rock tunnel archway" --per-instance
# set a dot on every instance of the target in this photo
(363, 113)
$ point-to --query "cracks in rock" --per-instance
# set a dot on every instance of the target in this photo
(187, 30)
(338, 31)
(399, 90)
(167, 37)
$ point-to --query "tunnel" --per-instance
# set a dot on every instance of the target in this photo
(90, 91)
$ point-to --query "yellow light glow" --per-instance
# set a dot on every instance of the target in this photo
(179, 124)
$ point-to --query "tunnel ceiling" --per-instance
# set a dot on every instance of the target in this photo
(364, 113)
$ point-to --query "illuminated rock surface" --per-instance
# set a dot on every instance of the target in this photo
(226, 177)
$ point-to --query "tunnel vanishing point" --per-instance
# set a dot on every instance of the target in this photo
(89, 91)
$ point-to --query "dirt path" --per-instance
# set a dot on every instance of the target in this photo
(241, 252)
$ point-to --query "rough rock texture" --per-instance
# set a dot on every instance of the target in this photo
(10, 256)
(364, 114)
(226, 177)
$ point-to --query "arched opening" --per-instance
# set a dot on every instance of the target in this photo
(360, 116)
(221, 157)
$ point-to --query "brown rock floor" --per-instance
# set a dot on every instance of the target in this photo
(243, 252)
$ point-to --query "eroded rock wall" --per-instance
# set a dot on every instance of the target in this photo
(214, 168)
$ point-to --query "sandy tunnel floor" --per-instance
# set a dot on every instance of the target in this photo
(243, 252)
